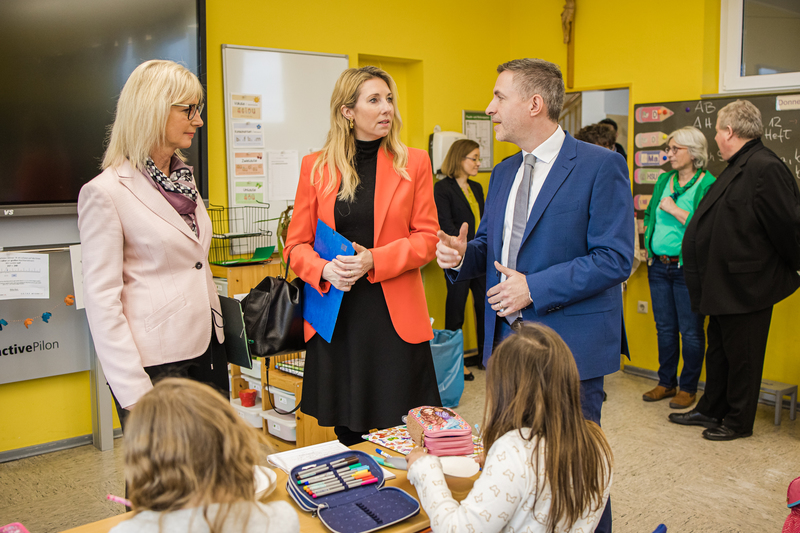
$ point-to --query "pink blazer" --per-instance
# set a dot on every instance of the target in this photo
(146, 279)
(405, 238)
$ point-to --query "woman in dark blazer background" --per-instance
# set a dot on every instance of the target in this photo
(459, 201)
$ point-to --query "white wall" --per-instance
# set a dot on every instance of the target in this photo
(597, 105)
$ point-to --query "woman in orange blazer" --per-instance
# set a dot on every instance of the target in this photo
(378, 194)
(145, 234)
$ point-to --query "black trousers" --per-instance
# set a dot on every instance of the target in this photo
(456, 301)
(734, 363)
(210, 368)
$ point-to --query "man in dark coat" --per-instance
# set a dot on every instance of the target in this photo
(741, 254)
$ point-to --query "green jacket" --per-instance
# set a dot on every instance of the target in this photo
(650, 213)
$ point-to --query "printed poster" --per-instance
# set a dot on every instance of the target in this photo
(24, 276)
(248, 164)
(246, 106)
(477, 126)
(249, 192)
(248, 135)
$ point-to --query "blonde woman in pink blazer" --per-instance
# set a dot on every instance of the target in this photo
(151, 303)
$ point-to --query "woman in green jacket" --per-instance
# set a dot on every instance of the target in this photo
(675, 198)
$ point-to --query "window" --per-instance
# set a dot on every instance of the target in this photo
(759, 40)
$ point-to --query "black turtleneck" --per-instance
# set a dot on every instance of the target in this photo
(356, 220)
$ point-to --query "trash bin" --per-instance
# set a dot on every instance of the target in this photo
(447, 348)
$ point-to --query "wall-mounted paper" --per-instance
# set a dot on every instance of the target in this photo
(250, 192)
(246, 106)
(248, 135)
(24, 276)
(248, 163)
(284, 174)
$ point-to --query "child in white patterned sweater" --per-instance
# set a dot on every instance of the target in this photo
(547, 468)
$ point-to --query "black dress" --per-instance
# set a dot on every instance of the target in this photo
(367, 376)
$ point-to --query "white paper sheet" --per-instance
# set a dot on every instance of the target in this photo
(76, 261)
(283, 174)
(24, 276)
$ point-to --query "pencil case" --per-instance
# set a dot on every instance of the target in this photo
(441, 430)
(358, 509)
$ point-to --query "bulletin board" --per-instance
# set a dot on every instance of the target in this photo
(44, 335)
(277, 110)
(780, 115)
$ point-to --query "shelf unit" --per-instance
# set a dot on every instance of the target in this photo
(240, 280)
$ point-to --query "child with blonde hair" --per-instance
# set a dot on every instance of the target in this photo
(547, 468)
(189, 465)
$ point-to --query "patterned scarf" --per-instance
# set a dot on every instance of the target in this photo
(678, 190)
(178, 188)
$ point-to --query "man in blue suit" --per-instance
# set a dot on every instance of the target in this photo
(557, 252)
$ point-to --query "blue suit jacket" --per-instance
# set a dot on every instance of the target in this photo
(577, 249)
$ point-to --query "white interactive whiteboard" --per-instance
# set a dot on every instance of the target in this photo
(277, 110)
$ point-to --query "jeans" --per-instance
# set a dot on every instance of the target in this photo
(672, 311)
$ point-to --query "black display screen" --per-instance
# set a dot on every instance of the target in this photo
(62, 66)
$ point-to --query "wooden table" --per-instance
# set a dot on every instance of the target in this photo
(460, 487)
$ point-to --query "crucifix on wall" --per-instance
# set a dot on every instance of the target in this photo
(568, 28)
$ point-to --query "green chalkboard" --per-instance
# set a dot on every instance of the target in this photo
(653, 122)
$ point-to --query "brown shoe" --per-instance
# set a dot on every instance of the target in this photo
(659, 393)
(682, 400)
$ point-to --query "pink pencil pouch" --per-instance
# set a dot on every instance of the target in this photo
(441, 430)
(15, 527)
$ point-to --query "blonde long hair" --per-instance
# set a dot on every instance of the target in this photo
(186, 447)
(339, 152)
(143, 108)
(533, 382)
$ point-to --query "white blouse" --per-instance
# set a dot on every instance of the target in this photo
(504, 498)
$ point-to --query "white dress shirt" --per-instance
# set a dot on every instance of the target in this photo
(546, 154)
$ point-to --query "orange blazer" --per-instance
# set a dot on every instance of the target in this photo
(405, 238)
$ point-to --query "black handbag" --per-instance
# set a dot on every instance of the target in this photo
(273, 316)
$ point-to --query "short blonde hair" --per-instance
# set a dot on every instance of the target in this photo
(694, 140)
(185, 445)
(451, 166)
(143, 108)
(339, 152)
(744, 119)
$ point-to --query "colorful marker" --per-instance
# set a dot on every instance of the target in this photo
(382, 453)
(347, 460)
(314, 479)
(117, 499)
(312, 471)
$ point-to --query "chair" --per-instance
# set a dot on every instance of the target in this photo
(780, 390)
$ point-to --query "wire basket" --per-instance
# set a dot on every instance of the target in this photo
(239, 234)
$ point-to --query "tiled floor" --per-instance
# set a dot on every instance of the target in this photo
(663, 472)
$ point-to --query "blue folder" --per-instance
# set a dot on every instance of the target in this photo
(319, 310)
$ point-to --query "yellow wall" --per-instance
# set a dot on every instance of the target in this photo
(45, 410)
(442, 65)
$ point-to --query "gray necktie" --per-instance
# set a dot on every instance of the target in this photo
(521, 211)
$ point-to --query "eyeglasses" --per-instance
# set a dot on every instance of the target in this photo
(191, 109)
(475, 159)
(674, 149)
